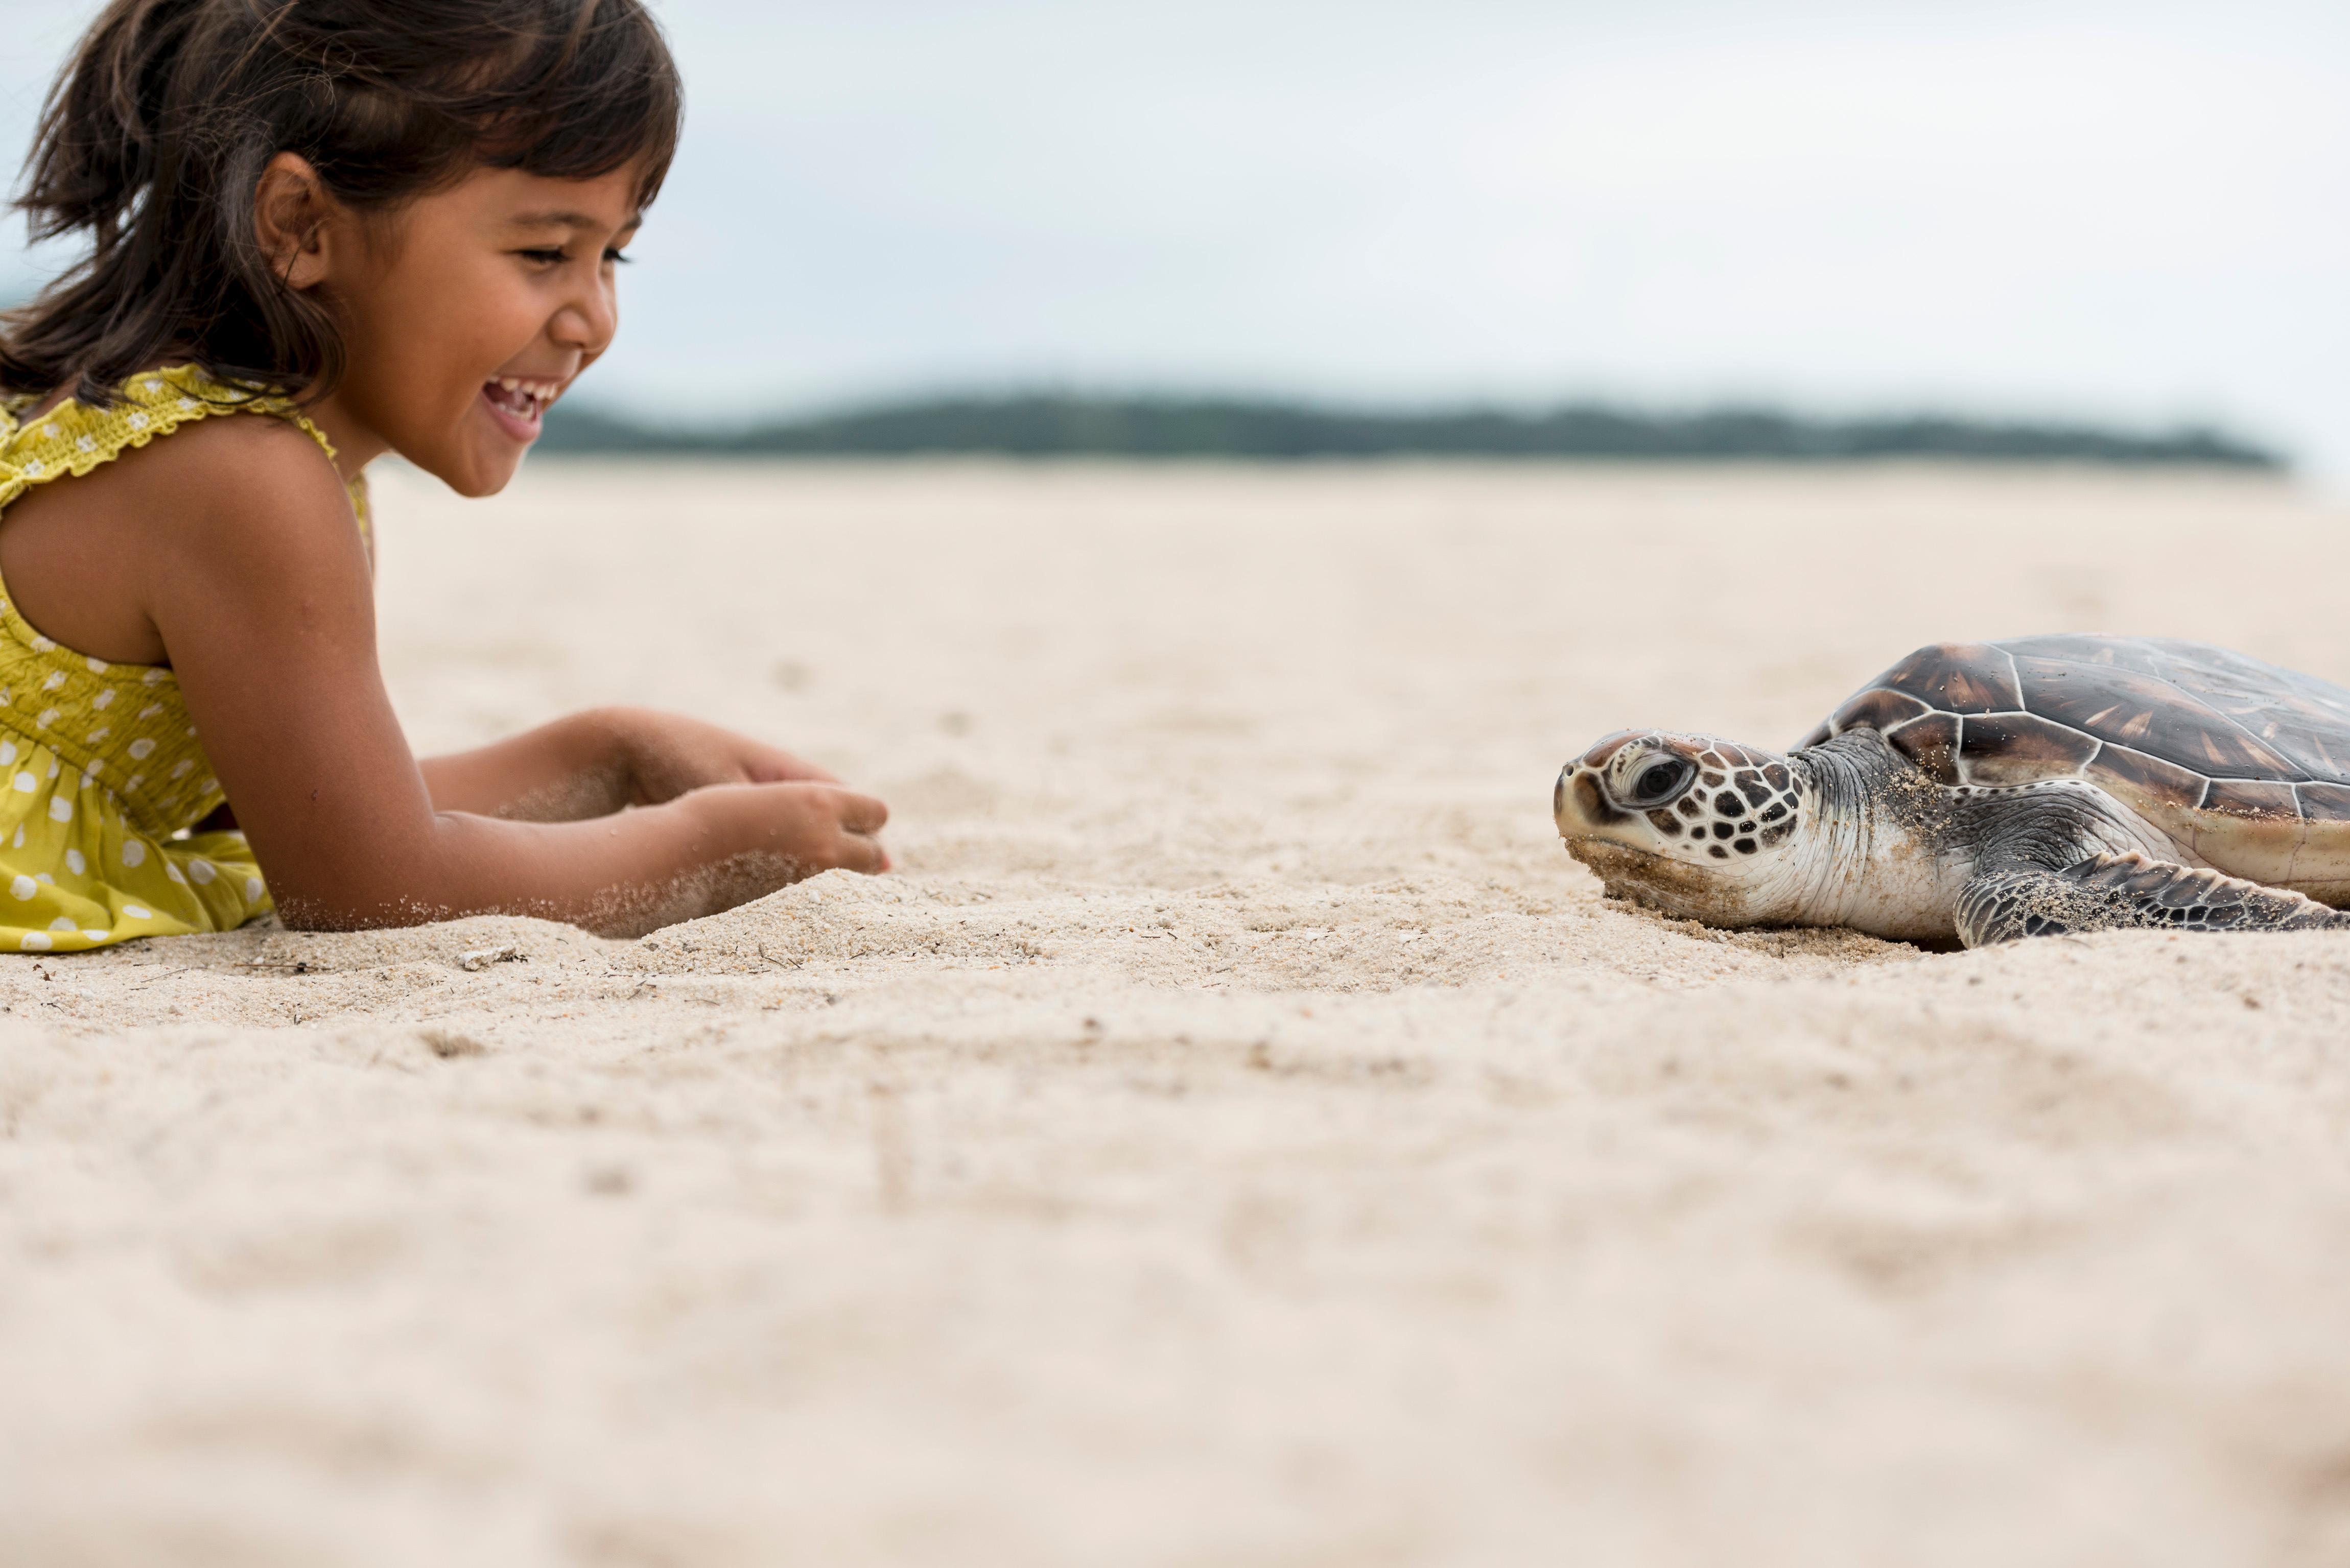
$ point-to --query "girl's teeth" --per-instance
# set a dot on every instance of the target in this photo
(531, 395)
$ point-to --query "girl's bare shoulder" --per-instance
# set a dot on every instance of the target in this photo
(226, 471)
(229, 462)
(248, 499)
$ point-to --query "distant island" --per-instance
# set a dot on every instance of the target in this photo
(1049, 426)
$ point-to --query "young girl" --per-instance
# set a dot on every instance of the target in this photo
(320, 231)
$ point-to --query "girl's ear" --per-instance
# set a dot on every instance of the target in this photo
(292, 219)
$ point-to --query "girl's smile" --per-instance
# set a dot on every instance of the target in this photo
(519, 405)
(468, 311)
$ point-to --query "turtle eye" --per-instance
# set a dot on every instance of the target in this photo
(1660, 781)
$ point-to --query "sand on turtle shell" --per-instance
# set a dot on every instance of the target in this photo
(1240, 1134)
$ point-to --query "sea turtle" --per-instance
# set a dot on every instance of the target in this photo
(1990, 791)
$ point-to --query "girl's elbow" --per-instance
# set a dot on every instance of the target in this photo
(352, 910)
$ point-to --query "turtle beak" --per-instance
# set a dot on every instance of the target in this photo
(1579, 806)
(1577, 803)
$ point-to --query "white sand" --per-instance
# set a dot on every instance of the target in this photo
(1240, 1135)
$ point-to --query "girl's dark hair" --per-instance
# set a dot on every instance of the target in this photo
(154, 140)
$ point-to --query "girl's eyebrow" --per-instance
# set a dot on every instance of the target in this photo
(571, 220)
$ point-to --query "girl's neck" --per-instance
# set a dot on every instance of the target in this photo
(355, 444)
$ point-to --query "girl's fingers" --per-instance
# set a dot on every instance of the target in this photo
(860, 812)
(862, 851)
(774, 766)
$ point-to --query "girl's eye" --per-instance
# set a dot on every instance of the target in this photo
(550, 257)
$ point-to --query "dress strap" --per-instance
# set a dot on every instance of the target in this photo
(364, 510)
(295, 417)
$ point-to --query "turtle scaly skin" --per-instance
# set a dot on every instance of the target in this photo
(1990, 791)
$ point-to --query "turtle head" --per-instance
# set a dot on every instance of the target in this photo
(1690, 825)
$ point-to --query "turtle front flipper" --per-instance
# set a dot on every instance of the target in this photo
(2127, 892)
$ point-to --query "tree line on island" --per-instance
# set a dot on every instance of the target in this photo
(1052, 425)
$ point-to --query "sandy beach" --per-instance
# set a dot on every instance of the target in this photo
(1238, 1135)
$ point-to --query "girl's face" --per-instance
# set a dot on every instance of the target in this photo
(468, 311)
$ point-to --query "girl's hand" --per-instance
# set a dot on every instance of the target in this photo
(777, 834)
(595, 762)
(668, 755)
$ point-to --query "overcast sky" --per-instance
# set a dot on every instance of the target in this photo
(2132, 210)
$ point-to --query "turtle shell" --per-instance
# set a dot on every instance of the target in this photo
(2246, 766)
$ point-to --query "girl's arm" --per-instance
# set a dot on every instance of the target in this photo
(260, 592)
(593, 763)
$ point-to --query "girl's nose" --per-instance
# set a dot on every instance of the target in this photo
(587, 324)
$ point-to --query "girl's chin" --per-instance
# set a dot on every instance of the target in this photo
(477, 479)
(480, 464)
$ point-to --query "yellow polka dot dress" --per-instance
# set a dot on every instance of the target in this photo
(102, 780)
